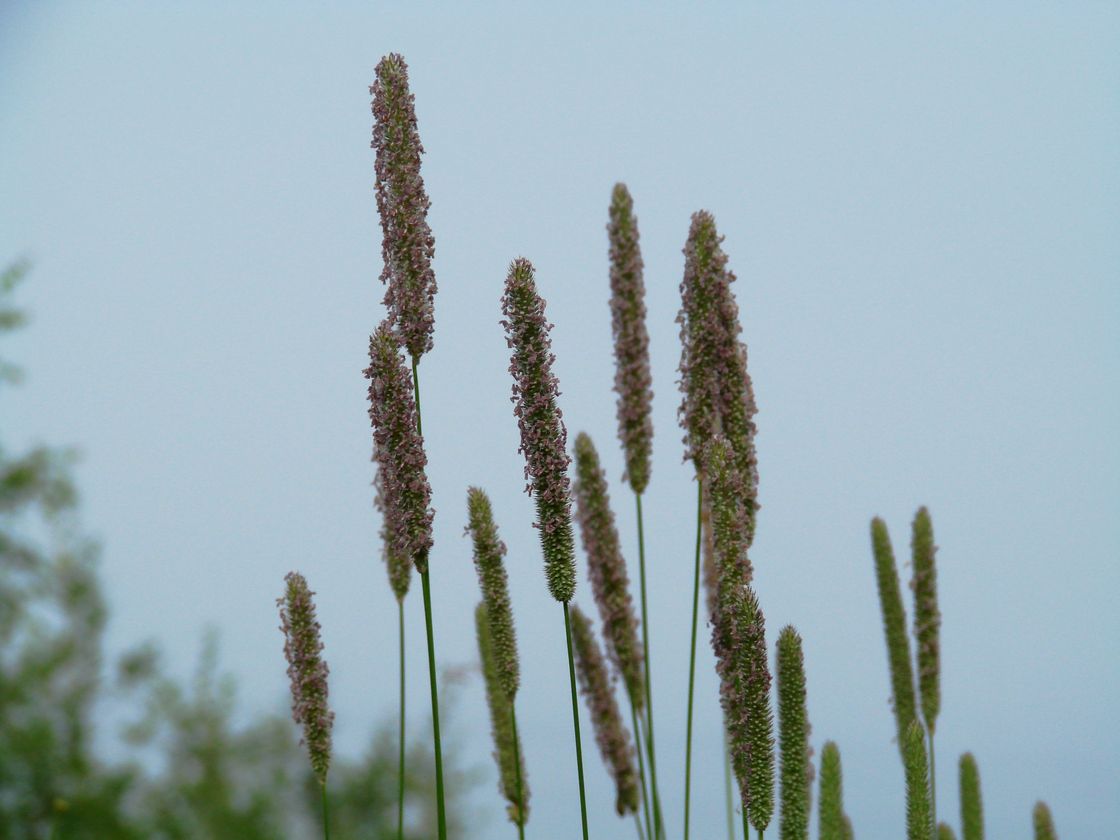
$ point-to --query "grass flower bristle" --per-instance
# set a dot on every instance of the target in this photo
(633, 381)
(972, 806)
(307, 671)
(488, 553)
(544, 439)
(894, 629)
(407, 245)
(610, 732)
(793, 737)
(399, 448)
(512, 779)
(607, 569)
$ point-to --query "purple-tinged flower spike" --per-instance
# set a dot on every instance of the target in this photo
(407, 245)
(307, 671)
(488, 553)
(398, 566)
(607, 569)
(513, 782)
(632, 380)
(399, 449)
(610, 732)
(739, 641)
(544, 439)
(718, 396)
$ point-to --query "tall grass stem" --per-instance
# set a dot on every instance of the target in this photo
(651, 751)
(692, 659)
(641, 770)
(400, 765)
(326, 816)
(575, 718)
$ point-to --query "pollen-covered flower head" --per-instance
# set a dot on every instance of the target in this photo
(398, 566)
(610, 732)
(407, 245)
(607, 569)
(544, 439)
(633, 380)
(488, 553)
(717, 394)
(399, 450)
(307, 671)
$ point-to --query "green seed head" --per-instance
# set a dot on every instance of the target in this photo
(894, 628)
(507, 752)
(607, 569)
(919, 814)
(944, 832)
(972, 807)
(831, 809)
(307, 671)
(793, 737)
(610, 732)
(927, 618)
(1043, 823)
(632, 380)
(544, 439)
(488, 553)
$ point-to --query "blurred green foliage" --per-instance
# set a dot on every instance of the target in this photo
(193, 769)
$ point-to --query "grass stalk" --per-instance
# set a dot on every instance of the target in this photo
(400, 765)
(575, 718)
(641, 770)
(692, 658)
(651, 752)
(326, 815)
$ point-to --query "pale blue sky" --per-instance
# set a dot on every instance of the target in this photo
(921, 207)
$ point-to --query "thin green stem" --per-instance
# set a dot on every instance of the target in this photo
(692, 656)
(650, 751)
(400, 766)
(746, 826)
(517, 774)
(638, 825)
(440, 812)
(326, 815)
(641, 766)
(575, 719)
(727, 791)
(932, 784)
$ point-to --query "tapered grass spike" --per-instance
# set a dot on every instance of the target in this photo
(927, 617)
(831, 806)
(307, 672)
(849, 832)
(544, 438)
(919, 815)
(972, 806)
(606, 569)
(407, 245)
(894, 629)
(512, 780)
(610, 731)
(488, 552)
(1043, 822)
(944, 832)
(793, 737)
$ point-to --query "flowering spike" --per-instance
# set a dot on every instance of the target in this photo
(1043, 823)
(927, 618)
(793, 737)
(544, 439)
(831, 813)
(739, 641)
(399, 449)
(507, 751)
(407, 245)
(632, 380)
(718, 396)
(919, 814)
(944, 832)
(894, 628)
(607, 569)
(610, 732)
(400, 570)
(972, 808)
(307, 671)
(488, 553)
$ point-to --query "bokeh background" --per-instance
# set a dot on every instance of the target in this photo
(921, 206)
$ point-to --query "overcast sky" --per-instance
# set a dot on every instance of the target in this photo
(922, 210)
